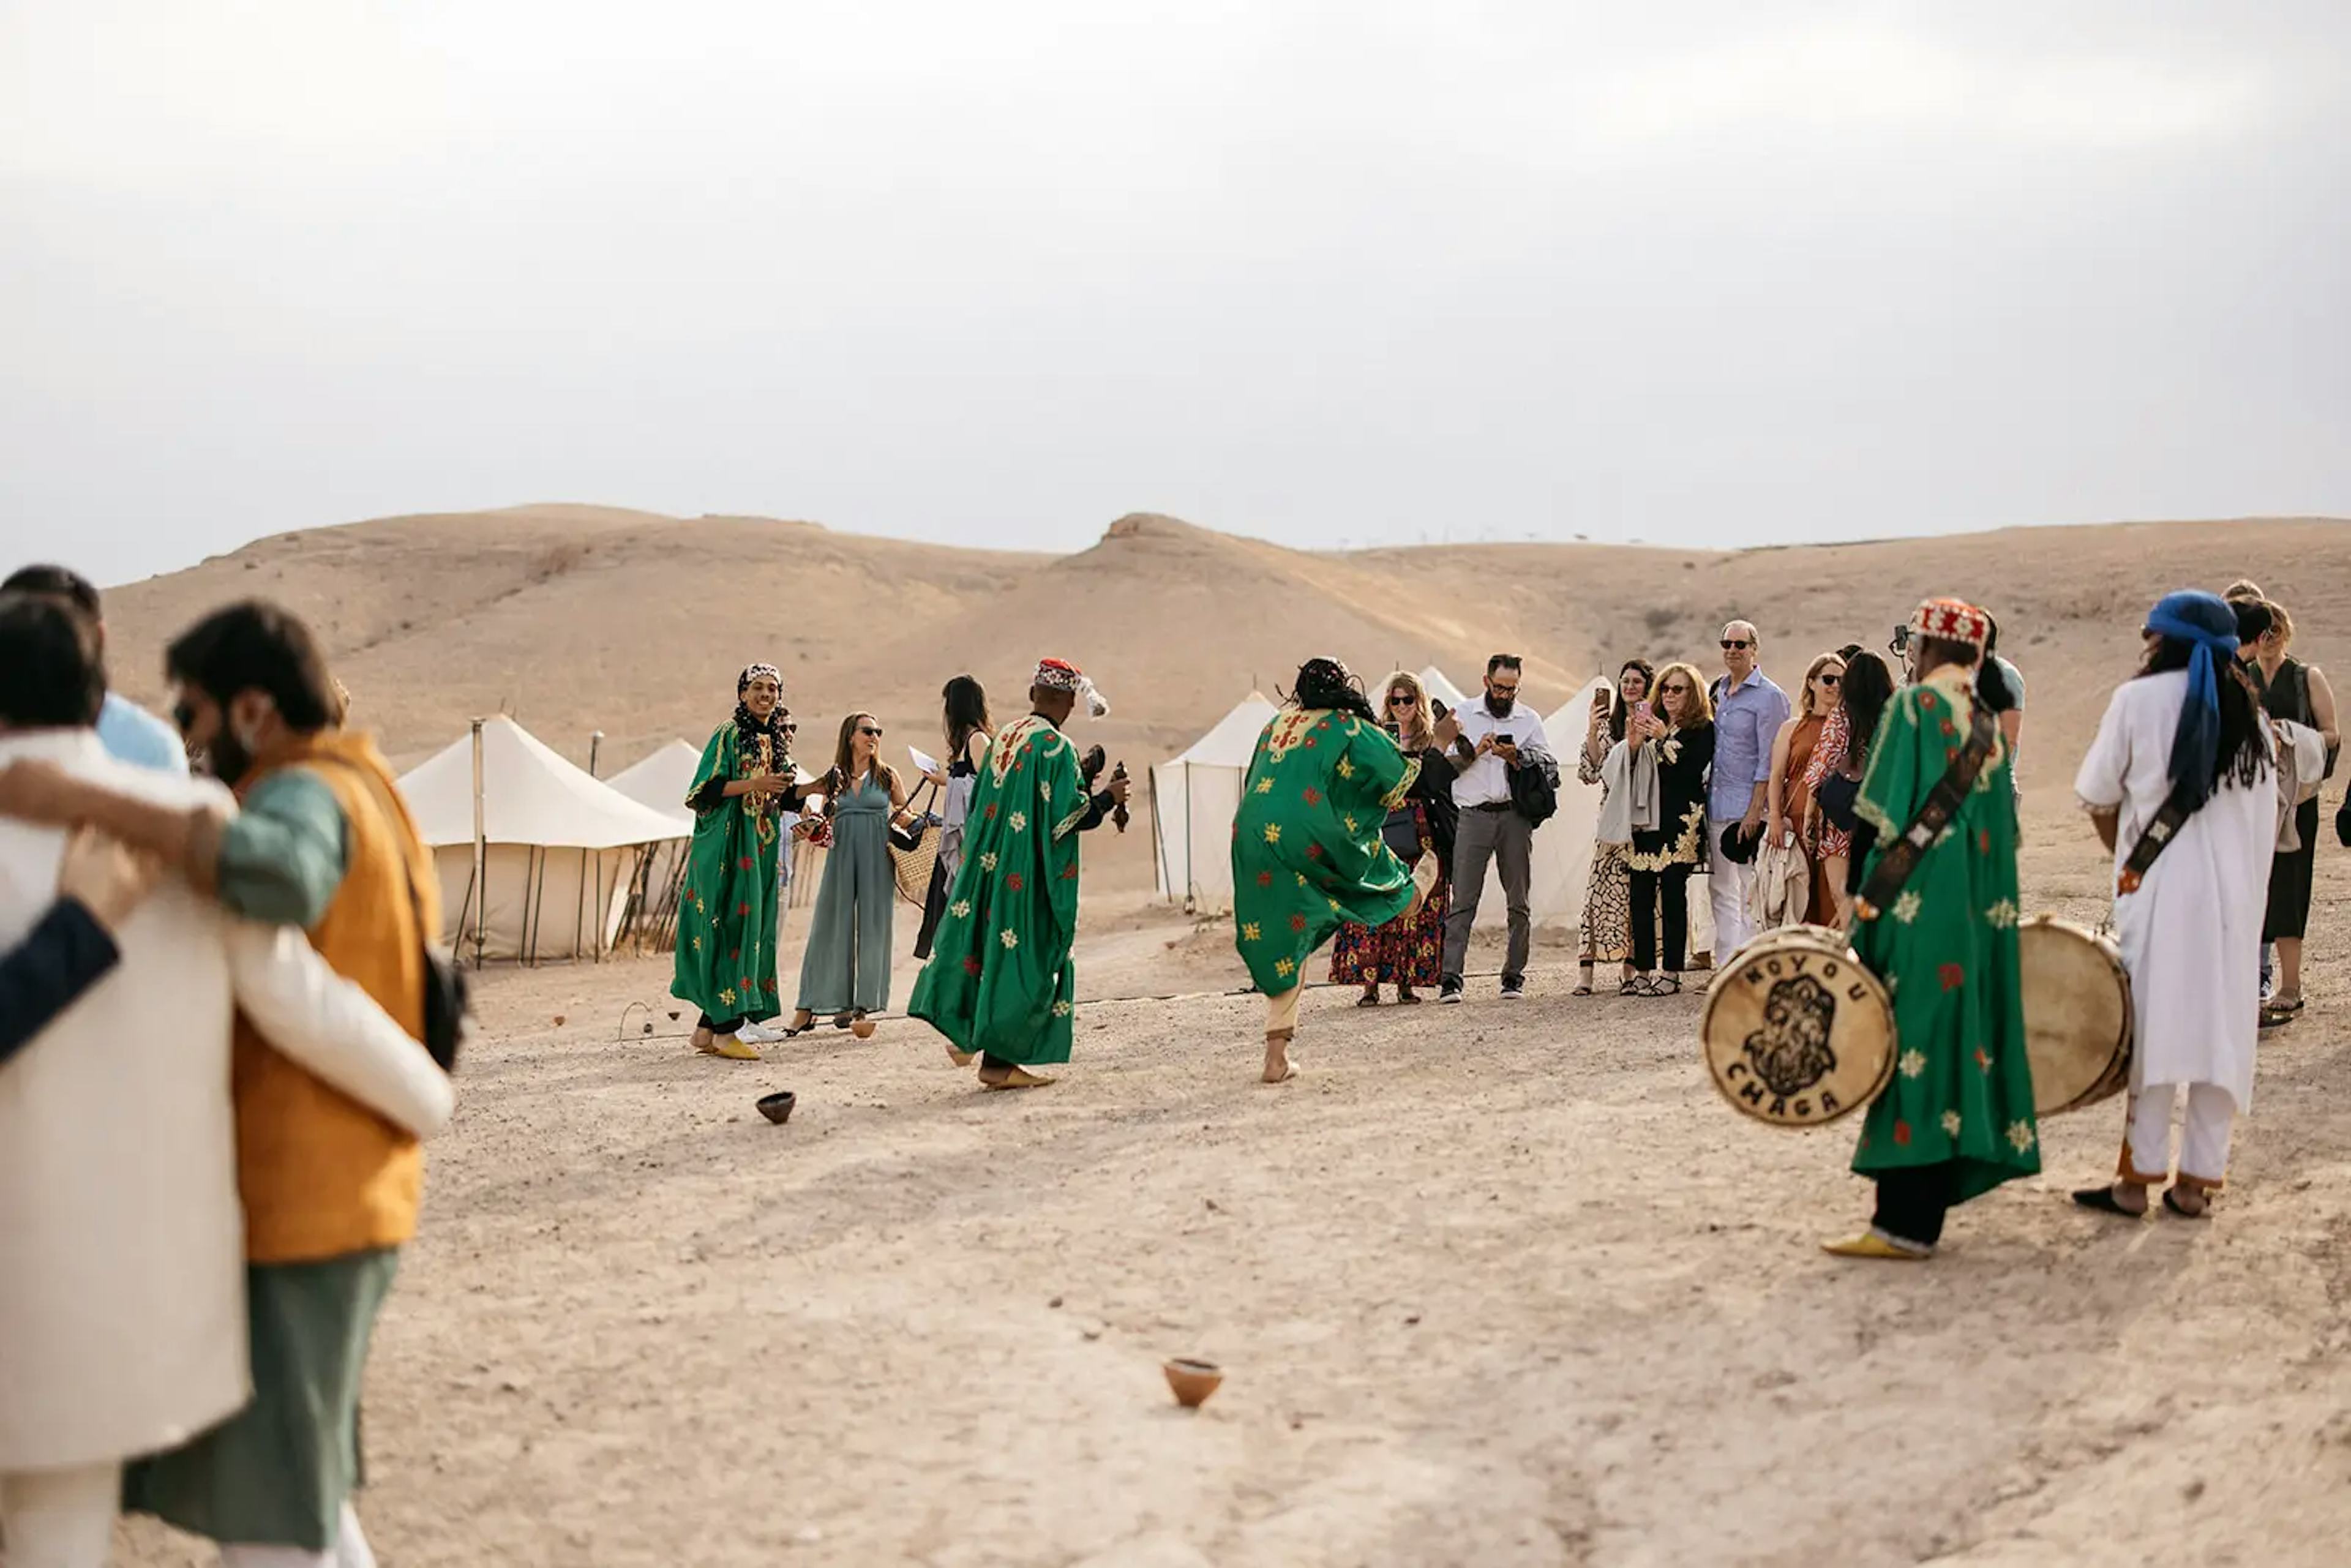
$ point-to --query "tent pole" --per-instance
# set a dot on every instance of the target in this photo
(1158, 833)
(1191, 886)
(481, 855)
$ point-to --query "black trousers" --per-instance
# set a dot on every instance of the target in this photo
(1648, 889)
(720, 1025)
(935, 907)
(1911, 1203)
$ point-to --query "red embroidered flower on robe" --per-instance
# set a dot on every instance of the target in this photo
(1313, 796)
(1298, 923)
(1953, 976)
(971, 966)
(1902, 1134)
(1314, 852)
(1015, 882)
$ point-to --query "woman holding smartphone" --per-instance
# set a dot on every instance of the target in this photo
(1677, 731)
(845, 968)
(1608, 931)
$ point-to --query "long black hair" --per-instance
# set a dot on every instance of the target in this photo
(1868, 688)
(2242, 754)
(1328, 684)
(1617, 715)
(963, 713)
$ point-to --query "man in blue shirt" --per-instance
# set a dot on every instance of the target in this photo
(129, 732)
(1748, 713)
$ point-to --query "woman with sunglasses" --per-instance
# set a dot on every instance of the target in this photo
(845, 968)
(1607, 932)
(1408, 952)
(1678, 731)
(1789, 794)
(1833, 778)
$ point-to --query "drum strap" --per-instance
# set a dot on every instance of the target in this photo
(1900, 860)
(2153, 842)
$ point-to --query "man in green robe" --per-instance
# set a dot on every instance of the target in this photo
(1307, 852)
(1000, 984)
(1955, 1120)
(726, 958)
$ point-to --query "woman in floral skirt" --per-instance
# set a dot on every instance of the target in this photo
(1407, 952)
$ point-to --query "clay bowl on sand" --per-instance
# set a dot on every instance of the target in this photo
(862, 1028)
(777, 1107)
(1193, 1381)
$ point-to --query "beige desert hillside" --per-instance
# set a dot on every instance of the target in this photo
(575, 618)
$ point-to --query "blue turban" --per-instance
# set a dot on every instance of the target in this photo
(2208, 625)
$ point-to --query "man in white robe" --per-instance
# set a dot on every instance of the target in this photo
(2190, 927)
(122, 1307)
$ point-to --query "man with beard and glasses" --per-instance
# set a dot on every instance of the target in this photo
(321, 840)
(1495, 734)
(126, 1324)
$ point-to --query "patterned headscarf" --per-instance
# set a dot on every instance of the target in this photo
(1951, 620)
(1061, 676)
(748, 727)
(2209, 626)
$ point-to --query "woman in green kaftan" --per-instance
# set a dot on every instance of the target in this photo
(725, 960)
(1957, 1119)
(1307, 852)
(1000, 984)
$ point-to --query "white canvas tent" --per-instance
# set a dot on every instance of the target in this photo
(660, 782)
(1194, 799)
(561, 848)
(1433, 680)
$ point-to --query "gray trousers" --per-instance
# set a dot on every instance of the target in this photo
(1509, 839)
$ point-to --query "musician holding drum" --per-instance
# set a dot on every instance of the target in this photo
(1936, 919)
(2180, 785)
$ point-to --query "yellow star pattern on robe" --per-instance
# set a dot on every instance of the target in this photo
(1252, 932)
(727, 998)
(2019, 1135)
(1913, 1063)
(1951, 1123)
(1345, 770)
(1273, 832)
(1283, 968)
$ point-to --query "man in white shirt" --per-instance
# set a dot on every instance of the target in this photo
(122, 1301)
(1495, 732)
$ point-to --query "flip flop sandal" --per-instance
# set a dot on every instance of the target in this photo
(1580, 991)
(2173, 1203)
(2103, 1199)
(1409, 999)
(1367, 1002)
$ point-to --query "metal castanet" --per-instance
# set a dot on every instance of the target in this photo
(1796, 1032)
(2079, 1022)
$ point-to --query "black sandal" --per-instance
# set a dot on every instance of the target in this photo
(2173, 1203)
(1368, 999)
(2104, 1201)
(1637, 986)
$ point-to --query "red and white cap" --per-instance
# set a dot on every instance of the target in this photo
(1061, 676)
(1951, 620)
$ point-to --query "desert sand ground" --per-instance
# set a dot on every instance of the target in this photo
(1495, 1285)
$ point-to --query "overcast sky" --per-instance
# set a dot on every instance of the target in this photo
(995, 272)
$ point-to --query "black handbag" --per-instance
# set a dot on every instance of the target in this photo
(1401, 833)
(1838, 794)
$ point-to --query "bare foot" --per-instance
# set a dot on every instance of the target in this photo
(1279, 1068)
(706, 1041)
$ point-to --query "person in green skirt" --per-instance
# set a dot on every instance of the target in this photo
(845, 965)
(1307, 852)
(726, 958)
(1957, 1119)
(1000, 984)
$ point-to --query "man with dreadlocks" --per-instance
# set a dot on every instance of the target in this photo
(1000, 984)
(726, 961)
(1307, 851)
(2179, 785)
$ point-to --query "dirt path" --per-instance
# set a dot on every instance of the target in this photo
(1496, 1285)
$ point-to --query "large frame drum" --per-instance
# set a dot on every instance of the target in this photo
(2079, 1021)
(1796, 1032)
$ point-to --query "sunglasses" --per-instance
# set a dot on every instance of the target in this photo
(1830, 680)
(1737, 643)
(1403, 699)
(870, 731)
(1673, 691)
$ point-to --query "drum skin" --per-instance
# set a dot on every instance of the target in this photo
(2078, 1018)
(1796, 1032)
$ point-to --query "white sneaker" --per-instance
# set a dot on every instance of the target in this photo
(760, 1034)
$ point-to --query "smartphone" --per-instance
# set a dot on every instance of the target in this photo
(1901, 643)
(1506, 738)
(1396, 730)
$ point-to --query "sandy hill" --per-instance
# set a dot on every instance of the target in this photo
(576, 617)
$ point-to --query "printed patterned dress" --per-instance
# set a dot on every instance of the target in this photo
(1607, 896)
(1406, 951)
(1001, 980)
(1962, 1088)
(726, 958)
(1306, 852)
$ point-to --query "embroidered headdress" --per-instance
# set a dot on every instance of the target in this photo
(1061, 676)
(1951, 620)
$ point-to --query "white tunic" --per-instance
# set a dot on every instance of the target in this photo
(122, 1326)
(2191, 935)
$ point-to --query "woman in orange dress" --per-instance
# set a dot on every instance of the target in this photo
(1792, 758)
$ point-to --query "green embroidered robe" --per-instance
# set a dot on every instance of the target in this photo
(1000, 979)
(1306, 852)
(1962, 1085)
(725, 960)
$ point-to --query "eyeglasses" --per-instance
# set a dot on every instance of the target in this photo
(1737, 643)
(1673, 691)
(1499, 690)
